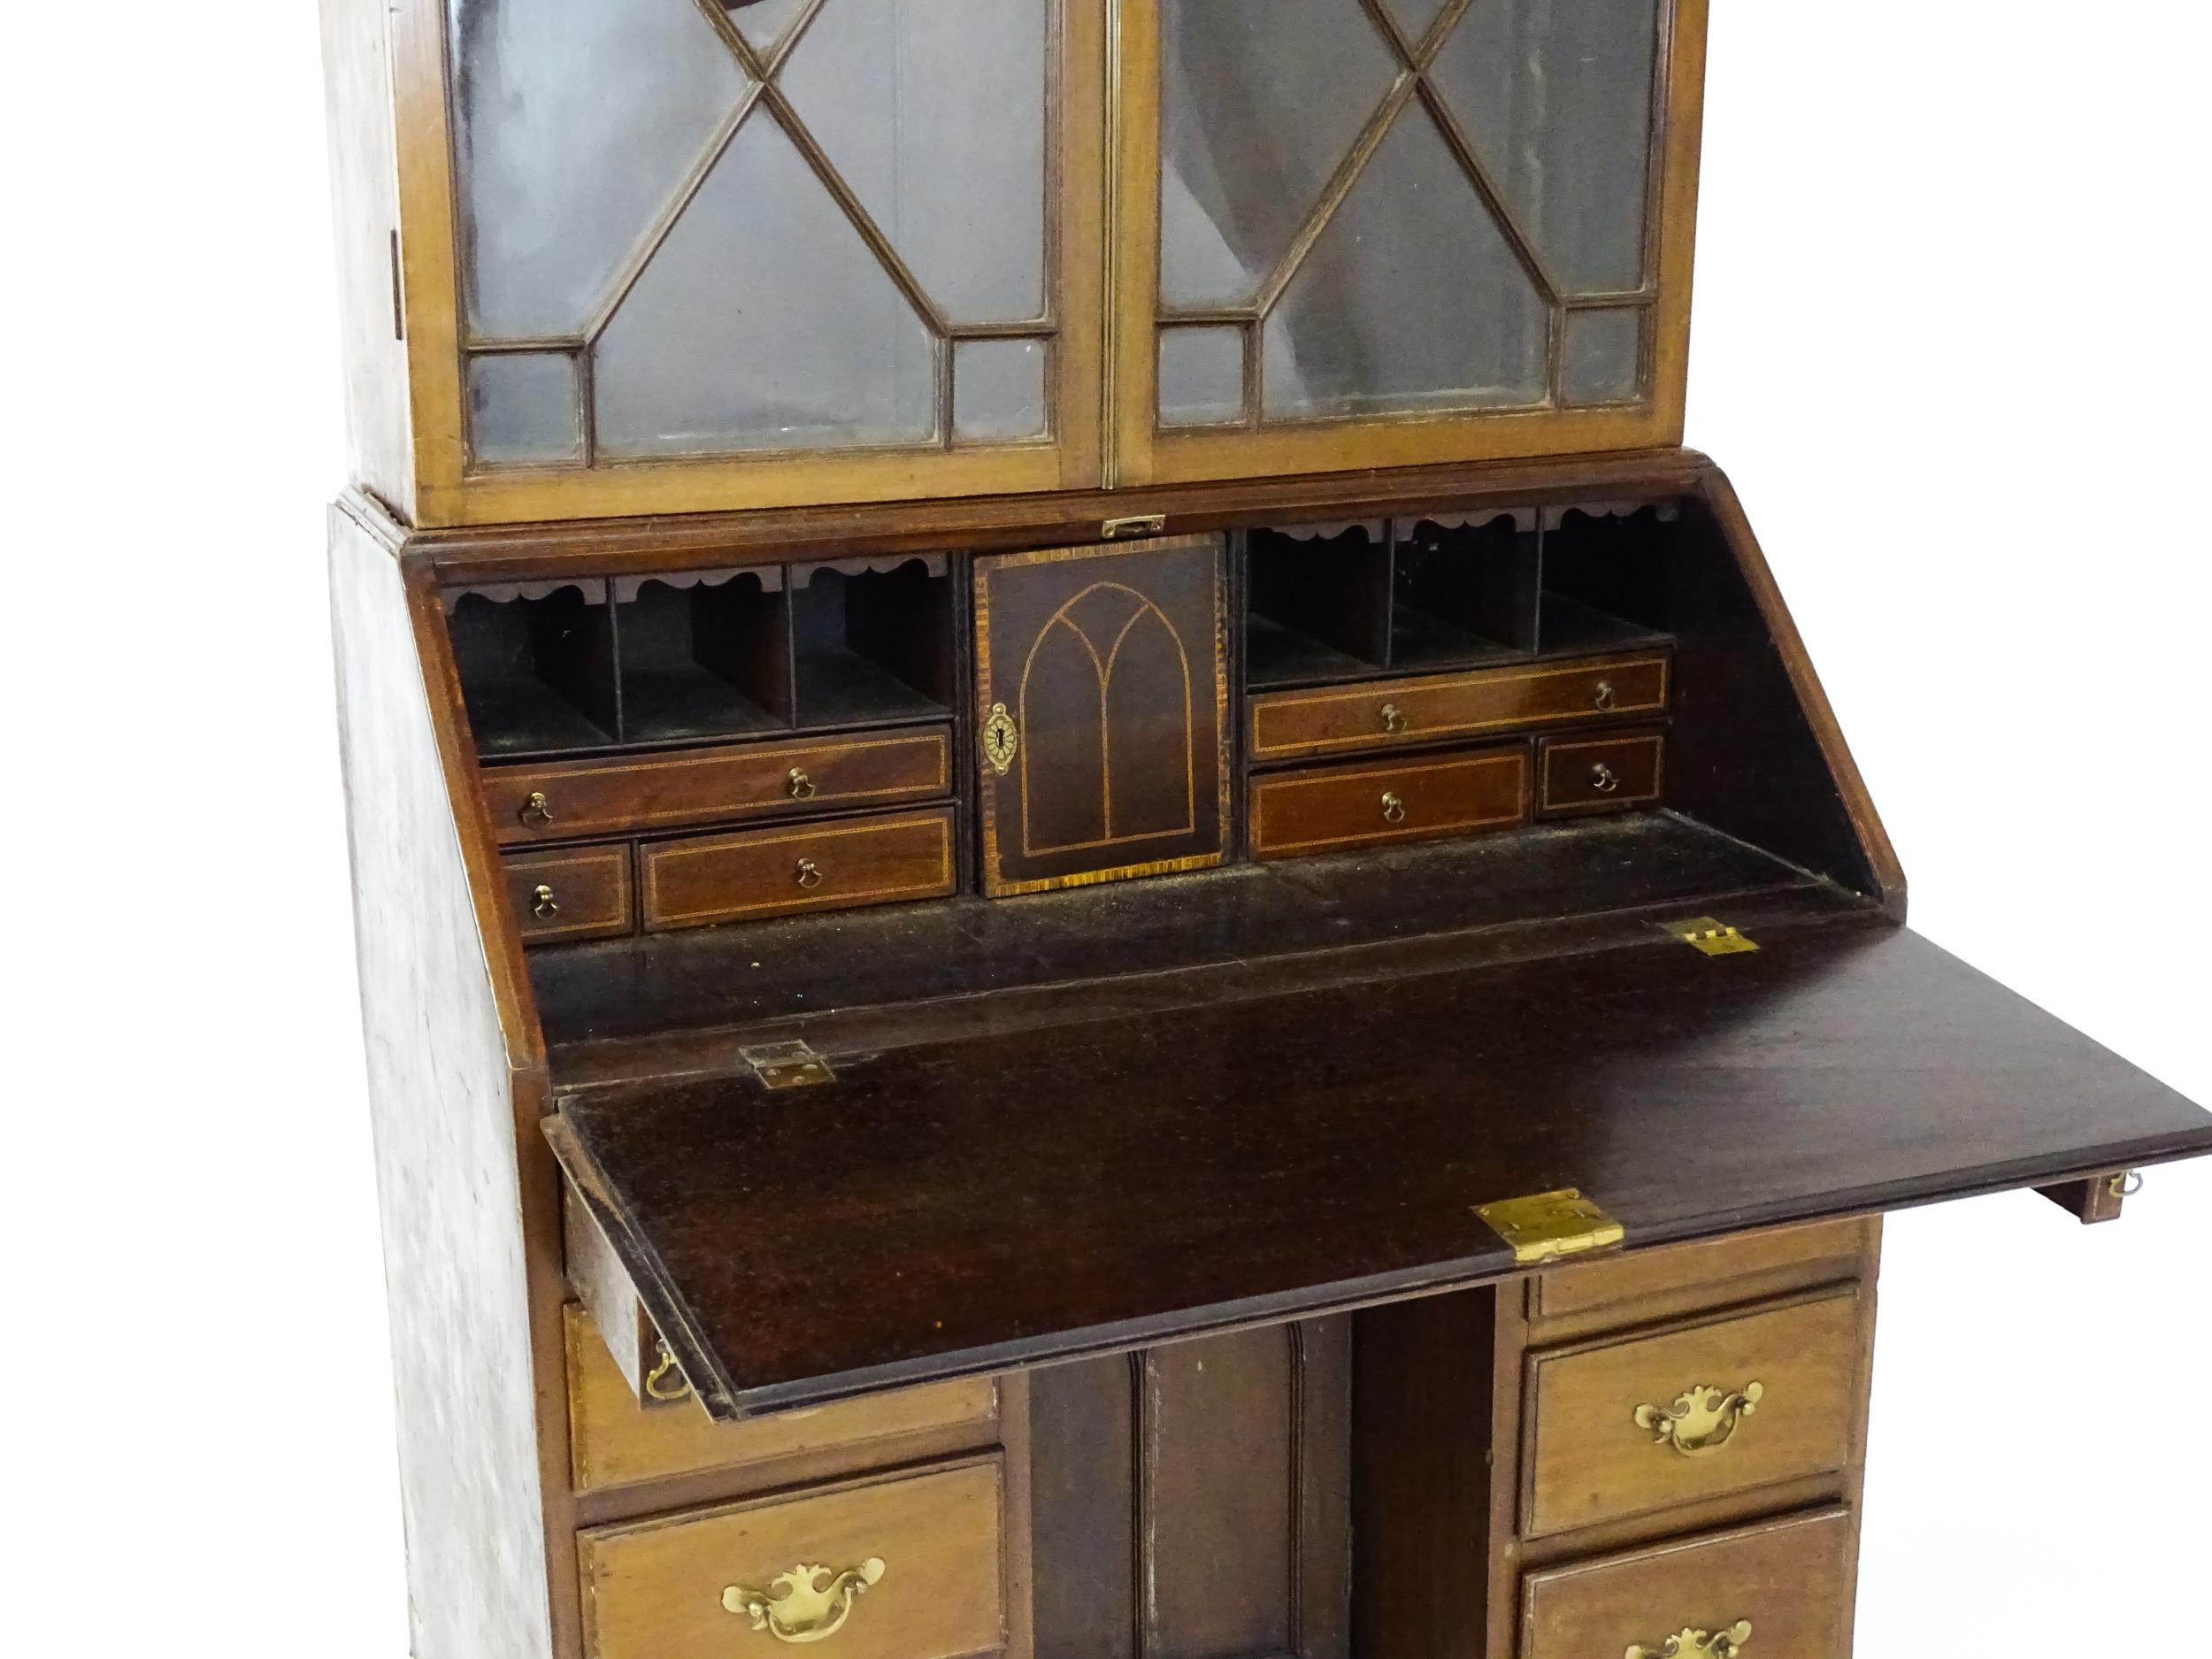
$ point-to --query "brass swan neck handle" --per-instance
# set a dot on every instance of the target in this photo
(807, 1604)
(1697, 1644)
(1702, 1420)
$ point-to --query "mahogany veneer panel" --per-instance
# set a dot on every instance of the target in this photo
(1108, 1184)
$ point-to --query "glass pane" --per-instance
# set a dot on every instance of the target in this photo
(764, 23)
(1201, 376)
(575, 122)
(522, 407)
(933, 111)
(1411, 301)
(998, 390)
(1556, 96)
(1605, 359)
(1414, 18)
(762, 323)
(1259, 102)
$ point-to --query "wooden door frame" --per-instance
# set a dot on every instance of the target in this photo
(1139, 452)
(449, 492)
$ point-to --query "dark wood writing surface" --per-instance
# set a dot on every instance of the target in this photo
(962, 1206)
(1101, 686)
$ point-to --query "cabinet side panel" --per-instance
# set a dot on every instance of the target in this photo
(442, 1096)
(365, 196)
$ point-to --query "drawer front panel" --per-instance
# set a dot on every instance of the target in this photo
(1342, 807)
(571, 892)
(1629, 1426)
(909, 1568)
(613, 1441)
(1575, 775)
(603, 797)
(1788, 1581)
(1706, 1271)
(804, 867)
(1285, 725)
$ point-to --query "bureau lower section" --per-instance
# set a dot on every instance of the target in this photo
(1655, 1456)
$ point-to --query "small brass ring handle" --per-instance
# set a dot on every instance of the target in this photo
(2126, 1184)
(1394, 807)
(542, 904)
(1603, 779)
(1702, 1420)
(666, 1382)
(801, 785)
(536, 810)
(1394, 718)
(1697, 1644)
(808, 1604)
(1605, 697)
(809, 874)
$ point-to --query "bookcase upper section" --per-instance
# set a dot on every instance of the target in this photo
(610, 257)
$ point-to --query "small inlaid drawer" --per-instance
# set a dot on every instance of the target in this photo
(907, 1567)
(571, 892)
(614, 1441)
(1291, 724)
(1598, 774)
(1780, 1590)
(1625, 1426)
(604, 797)
(797, 867)
(1334, 808)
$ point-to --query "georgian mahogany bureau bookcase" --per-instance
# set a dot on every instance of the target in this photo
(1103, 913)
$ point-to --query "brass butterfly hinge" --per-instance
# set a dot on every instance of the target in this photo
(1548, 1225)
(786, 1064)
(1715, 939)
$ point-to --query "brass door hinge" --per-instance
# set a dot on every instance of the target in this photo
(1715, 939)
(1548, 1225)
(786, 1064)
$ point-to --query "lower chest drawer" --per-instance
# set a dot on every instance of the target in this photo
(1776, 1591)
(907, 1567)
(615, 1441)
(1337, 806)
(1629, 1426)
(798, 867)
(571, 893)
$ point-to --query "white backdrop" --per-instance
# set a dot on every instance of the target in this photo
(1948, 347)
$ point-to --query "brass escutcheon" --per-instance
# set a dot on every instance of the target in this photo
(801, 785)
(1394, 718)
(808, 1604)
(542, 904)
(536, 810)
(1394, 807)
(1603, 779)
(1000, 739)
(1696, 1644)
(809, 874)
(1702, 1420)
(1606, 697)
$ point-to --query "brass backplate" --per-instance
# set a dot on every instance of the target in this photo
(786, 1064)
(1715, 939)
(1548, 1225)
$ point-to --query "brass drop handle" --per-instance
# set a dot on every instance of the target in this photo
(799, 784)
(666, 1382)
(1603, 779)
(808, 1604)
(1605, 696)
(537, 811)
(1394, 807)
(1702, 1420)
(542, 904)
(1696, 1644)
(809, 874)
(1394, 718)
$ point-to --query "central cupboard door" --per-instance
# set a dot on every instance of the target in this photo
(1102, 694)
(1375, 233)
(738, 253)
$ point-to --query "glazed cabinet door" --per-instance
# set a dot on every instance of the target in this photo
(1101, 686)
(692, 255)
(1370, 233)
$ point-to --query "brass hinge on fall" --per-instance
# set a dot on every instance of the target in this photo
(1715, 939)
(786, 1064)
(1545, 1226)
